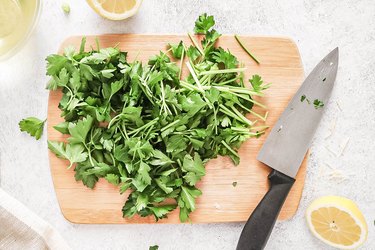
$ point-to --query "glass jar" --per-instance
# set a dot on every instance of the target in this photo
(18, 19)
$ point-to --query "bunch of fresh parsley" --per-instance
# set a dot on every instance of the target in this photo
(142, 128)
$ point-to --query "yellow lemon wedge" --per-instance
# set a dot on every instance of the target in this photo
(337, 221)
(10, 16)
(115, 9)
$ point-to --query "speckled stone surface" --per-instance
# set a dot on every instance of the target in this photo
(316, 26)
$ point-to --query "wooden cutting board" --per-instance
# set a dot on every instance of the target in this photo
(280, 64)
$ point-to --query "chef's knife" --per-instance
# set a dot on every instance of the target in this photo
(286, 147)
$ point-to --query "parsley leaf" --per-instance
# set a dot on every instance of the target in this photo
(74, 153)
(177, 49)
(33, 126)
(113, 179)
(89, 180)
(226, 58)
(257, 83)
(80, 130)
(193, 53)
(204, 23)
(55, 64)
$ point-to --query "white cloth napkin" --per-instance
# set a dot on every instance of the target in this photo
(20, 228)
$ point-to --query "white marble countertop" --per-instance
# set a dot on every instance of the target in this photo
(316, 27)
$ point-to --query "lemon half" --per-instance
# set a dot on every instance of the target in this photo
(115, 9)
(337, 221)
(10, 16)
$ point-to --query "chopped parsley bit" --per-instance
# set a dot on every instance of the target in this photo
(324, 79)
(304, 98)
(318, 104)
(66, 8)
(234, 184)
(246, 49)
(155, 247)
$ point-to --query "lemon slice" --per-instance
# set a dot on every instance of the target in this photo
(10, 15)
(115, 9)
(337, 221)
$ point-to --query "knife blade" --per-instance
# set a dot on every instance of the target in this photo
(286, 146)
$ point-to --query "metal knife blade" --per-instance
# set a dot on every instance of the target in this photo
(291, 136)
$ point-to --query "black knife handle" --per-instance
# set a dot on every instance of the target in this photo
(259, 226)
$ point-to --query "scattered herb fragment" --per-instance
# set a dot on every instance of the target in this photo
(234, 184)
(257, 83)
(303, 98)
(246, 49)
(155, 247)
(318, 104)
(33, 126)
(66, 8)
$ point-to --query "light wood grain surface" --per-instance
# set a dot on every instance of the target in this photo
(280, 64)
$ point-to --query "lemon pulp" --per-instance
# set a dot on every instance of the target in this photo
(337, 221)
(118, 6)
(115, 9)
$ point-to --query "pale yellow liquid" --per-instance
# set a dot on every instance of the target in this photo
(29, 9)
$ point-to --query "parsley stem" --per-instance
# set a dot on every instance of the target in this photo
(189, 86)
(237, 90)
(228, 112)
(245, 49)
(164, 104)
(182, 62)
(146, 90)
(170, 125)
(194, 76)
(242, 106)
(241, 116)
(122, 133)
(240, 129)
(89, 153)
(195, 43)
(150, 123)
(149, 131)
(124, 128)
(226, 82)
(249, 99)
(204, 79)
(229, 148)
(113, 120)
(222, 71)
(257, 115)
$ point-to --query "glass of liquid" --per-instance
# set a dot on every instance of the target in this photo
(17, 20)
